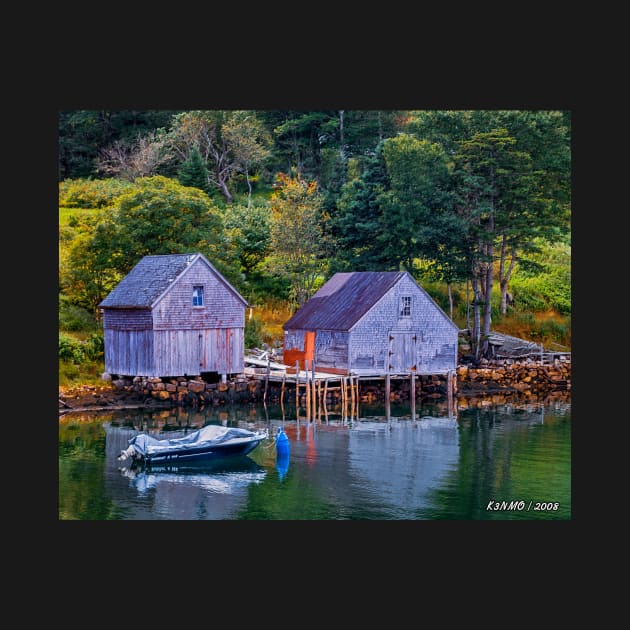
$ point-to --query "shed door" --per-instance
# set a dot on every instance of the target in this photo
(402, 351)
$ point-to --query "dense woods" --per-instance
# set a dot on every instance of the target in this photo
(476, 205)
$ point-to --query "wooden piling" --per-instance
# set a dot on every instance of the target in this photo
(297, 390)
(313, 394)
(267, 379)
(352, 396)
(412, 394)
(449, 389)
(284, 378)
(308, 390)
(387, 395)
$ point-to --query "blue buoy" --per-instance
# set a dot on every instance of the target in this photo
(282, 453)
(282, 443)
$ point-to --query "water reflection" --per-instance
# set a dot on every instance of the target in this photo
(223, 476)
(214, 489)
(396, 465)
(373, 467)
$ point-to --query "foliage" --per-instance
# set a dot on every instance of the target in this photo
(248, 231)
(73, 318)
(254, 333)
(76, 351)
(230, 142)
(193, 171)
(549, 286)
(91, 193)
(71, 349)
(163, 217)
(297, 237)
(460, 194)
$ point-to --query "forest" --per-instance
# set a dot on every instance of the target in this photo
(475, 204)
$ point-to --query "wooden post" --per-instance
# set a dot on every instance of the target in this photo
(353, 398)
(357, 398)
(319, 401)
(412, 394)
(284, 378)
(387, 395)
(313, 393)
(450, 394)
(308, 390)
(297, 390)
(325, 401)
(266, 380)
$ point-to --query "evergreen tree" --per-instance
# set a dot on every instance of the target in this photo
(193, 171)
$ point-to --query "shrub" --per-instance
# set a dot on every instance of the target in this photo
(75, 318)
(71, 349)
(254, 333)
(91, 193)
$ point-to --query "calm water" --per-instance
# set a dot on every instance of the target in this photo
(516, 459)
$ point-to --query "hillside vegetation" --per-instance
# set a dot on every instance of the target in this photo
(474, 204)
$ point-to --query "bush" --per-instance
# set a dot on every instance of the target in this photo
(254, 333)
(94, 346)
(75, 351)
(71, 349)
(92, 193)
(75, 318)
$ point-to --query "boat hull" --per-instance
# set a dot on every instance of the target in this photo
(205, 452)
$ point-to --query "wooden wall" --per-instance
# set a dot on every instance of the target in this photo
(221, 309)
(176, 338)
(129, 352)
(427, 339)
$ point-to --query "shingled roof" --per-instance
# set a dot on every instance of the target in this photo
(151, 277)
(343, 300)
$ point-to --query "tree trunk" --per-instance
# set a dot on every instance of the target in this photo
(468, 303)
(489, 275)
(224, 190)
(504, 282)
(249, 188)
(450, 299)
(477, 300)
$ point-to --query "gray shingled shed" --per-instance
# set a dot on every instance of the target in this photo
(174, 315)
(372, 323)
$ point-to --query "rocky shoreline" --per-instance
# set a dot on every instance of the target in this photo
(499, 382)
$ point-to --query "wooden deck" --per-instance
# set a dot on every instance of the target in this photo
(317, 382)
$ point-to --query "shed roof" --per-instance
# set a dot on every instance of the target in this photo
(343, 300)
(152, 277)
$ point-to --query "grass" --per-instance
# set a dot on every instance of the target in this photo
(272, 314)
(66, 213)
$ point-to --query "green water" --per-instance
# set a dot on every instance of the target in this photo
(516, 459)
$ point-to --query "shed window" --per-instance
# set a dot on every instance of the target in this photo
(405, 306)
(197, 296)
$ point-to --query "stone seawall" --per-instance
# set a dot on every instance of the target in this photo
(526, 378)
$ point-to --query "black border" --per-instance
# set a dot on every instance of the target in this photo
(269, 82)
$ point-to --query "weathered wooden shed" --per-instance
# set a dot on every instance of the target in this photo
(372, 323)
(174, 315)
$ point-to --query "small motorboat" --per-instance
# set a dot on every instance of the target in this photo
(209, 441)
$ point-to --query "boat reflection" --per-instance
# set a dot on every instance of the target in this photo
(220, 475)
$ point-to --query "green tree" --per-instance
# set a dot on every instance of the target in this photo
(498, 197)
(193, 171)
(87, 271)
(357, 220)
(415, 202)
(164, 217)
(230, 142)
(248, 229)
(297, 237)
